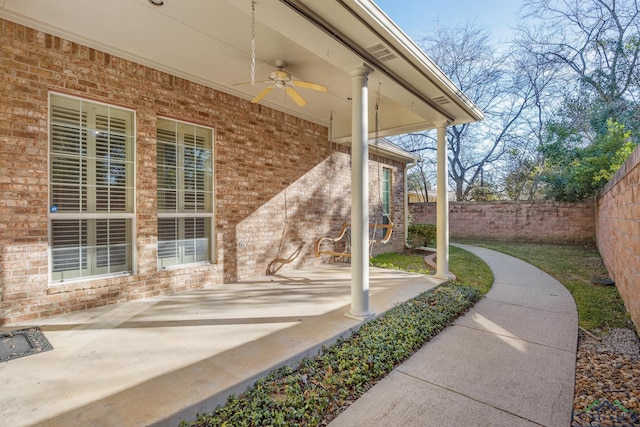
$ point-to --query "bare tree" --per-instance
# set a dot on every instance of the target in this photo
(547, 94)
(420, 178)
(597, 44)
(419, 183)
(596, 39)
(466, 55)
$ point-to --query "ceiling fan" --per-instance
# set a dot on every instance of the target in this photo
(281, 79)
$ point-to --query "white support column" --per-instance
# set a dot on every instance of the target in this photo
(442, 204)
(359, 196)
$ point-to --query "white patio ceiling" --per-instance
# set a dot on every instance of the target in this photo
(209, 42)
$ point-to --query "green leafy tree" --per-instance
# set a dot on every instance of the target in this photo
(573, 172)
(608, 154)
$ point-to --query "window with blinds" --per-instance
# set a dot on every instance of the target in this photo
(386, 195)
(91, 188)
(185, 193)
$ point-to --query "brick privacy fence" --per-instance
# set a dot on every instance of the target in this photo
(278, 181)
(543, 222)
(618, 232)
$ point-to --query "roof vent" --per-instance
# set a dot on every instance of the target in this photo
(441, 100)
(381, 52)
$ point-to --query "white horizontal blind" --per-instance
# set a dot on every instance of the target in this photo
(69, 248)
(185, 193)
(183, 240)
(91, 188)
(68, 159)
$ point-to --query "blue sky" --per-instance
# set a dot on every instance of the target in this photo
(415, 16)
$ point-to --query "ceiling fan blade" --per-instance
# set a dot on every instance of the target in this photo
(308, 85)
(296, 96)
(248, 83)
(262, 94)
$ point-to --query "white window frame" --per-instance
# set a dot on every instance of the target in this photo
(91, 208)
(173, 201)
(386, 216)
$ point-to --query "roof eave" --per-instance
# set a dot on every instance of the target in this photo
(413, 55)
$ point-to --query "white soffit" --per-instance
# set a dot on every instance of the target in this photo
(209, 42)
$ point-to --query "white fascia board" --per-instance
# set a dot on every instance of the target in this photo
(399, 40)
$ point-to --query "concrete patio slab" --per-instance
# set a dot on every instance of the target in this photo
(161, 360)
(509, 361)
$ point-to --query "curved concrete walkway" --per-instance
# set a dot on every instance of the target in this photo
(510, 361)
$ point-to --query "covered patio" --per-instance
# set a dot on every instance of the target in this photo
(162, 360)
(379, 83)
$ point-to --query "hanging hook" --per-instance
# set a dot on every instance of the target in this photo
(377, 123)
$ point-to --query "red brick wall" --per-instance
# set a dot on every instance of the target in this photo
(618, 232)
(267, 203)
(549, 222)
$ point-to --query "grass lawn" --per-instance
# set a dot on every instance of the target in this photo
(413, 263)
(469, 269)
(600, 308)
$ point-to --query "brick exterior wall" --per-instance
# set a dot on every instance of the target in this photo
(278, 181)
(544, 222)
(618, 232)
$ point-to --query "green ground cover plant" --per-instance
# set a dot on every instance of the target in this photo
(421, 235)
(320, 387)
(600, 308)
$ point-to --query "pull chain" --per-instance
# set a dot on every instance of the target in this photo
(253, 43)
(379, 166)
(331, 161)
(331, 127)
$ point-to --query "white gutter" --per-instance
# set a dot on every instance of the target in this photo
(391, 152)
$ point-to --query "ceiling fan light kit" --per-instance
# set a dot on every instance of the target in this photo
(281, 79)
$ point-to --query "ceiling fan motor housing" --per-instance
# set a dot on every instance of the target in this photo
(280, 77)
